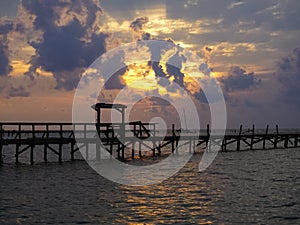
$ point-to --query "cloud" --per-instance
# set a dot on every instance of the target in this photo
(138, 24)
(138, 27)
(5, 67)
(238, 80)
(71, 40)
(288, 73)
(5, 27)
(19, 91)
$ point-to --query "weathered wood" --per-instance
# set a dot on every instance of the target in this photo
(173, 137)
(72, 151)
(132, 150)
(252, 137)
(265, 137)
(31, 154)
(17, 153)
(60, 153)
(276, 138)
(31, 135)
(238, 145)
(45, 153)
(1, 143)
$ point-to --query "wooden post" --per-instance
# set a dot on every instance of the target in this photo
(1, 143)
(1, 153)
(153, 150)
(208, 137)
(31, 154)
(265, 137)
(20, 129)
(286, 141)
(119, 150)
(33, 131)
(173, 137)
(17, 153)
(60, 153)
(224, 144)
(276, 137)
(45, 153)
(132, 150)
(140, 149)
(252, 137)
(86, 151)
(123, 151)
(72, 151)
(159, 148)
(238, 144)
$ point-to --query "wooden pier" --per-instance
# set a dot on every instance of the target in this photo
(118, 138)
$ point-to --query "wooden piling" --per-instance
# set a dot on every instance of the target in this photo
(208, 137)
(286, 141)
(252, 137)
(173, 137)
(17, 153)
(140, 149)
(123, 151)
(265, 137)
(45, 153)
(31, 154)
(238, 144)
(153, 149)
(276, 138)
(60, 153)
(1, 143)
(45, 135)
(132, 150)
(72, 151)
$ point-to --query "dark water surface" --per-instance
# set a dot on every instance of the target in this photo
(259, 187)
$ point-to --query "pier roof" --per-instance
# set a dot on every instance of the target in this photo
(108, 106)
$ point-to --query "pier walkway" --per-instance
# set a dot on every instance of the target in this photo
(117, 138)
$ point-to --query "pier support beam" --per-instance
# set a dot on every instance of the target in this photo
(31, 154)
(238, 144)
(276, 138)
(72, 151)
(45, 153)
(265, 137)
(252, 137)
(60, 153)
(17, 153)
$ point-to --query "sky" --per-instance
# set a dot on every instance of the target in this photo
(251, 47)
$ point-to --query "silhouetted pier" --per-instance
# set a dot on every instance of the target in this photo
(118, 138)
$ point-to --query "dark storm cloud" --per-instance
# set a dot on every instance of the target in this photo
(115, 81)
(5, 68)
(65, 48)
(5, 28)
(235, 21)
(19, 91)
(288, 73)
(238, 79)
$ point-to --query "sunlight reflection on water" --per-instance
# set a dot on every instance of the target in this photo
(245, 187)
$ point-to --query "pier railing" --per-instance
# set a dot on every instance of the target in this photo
(116, 137)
